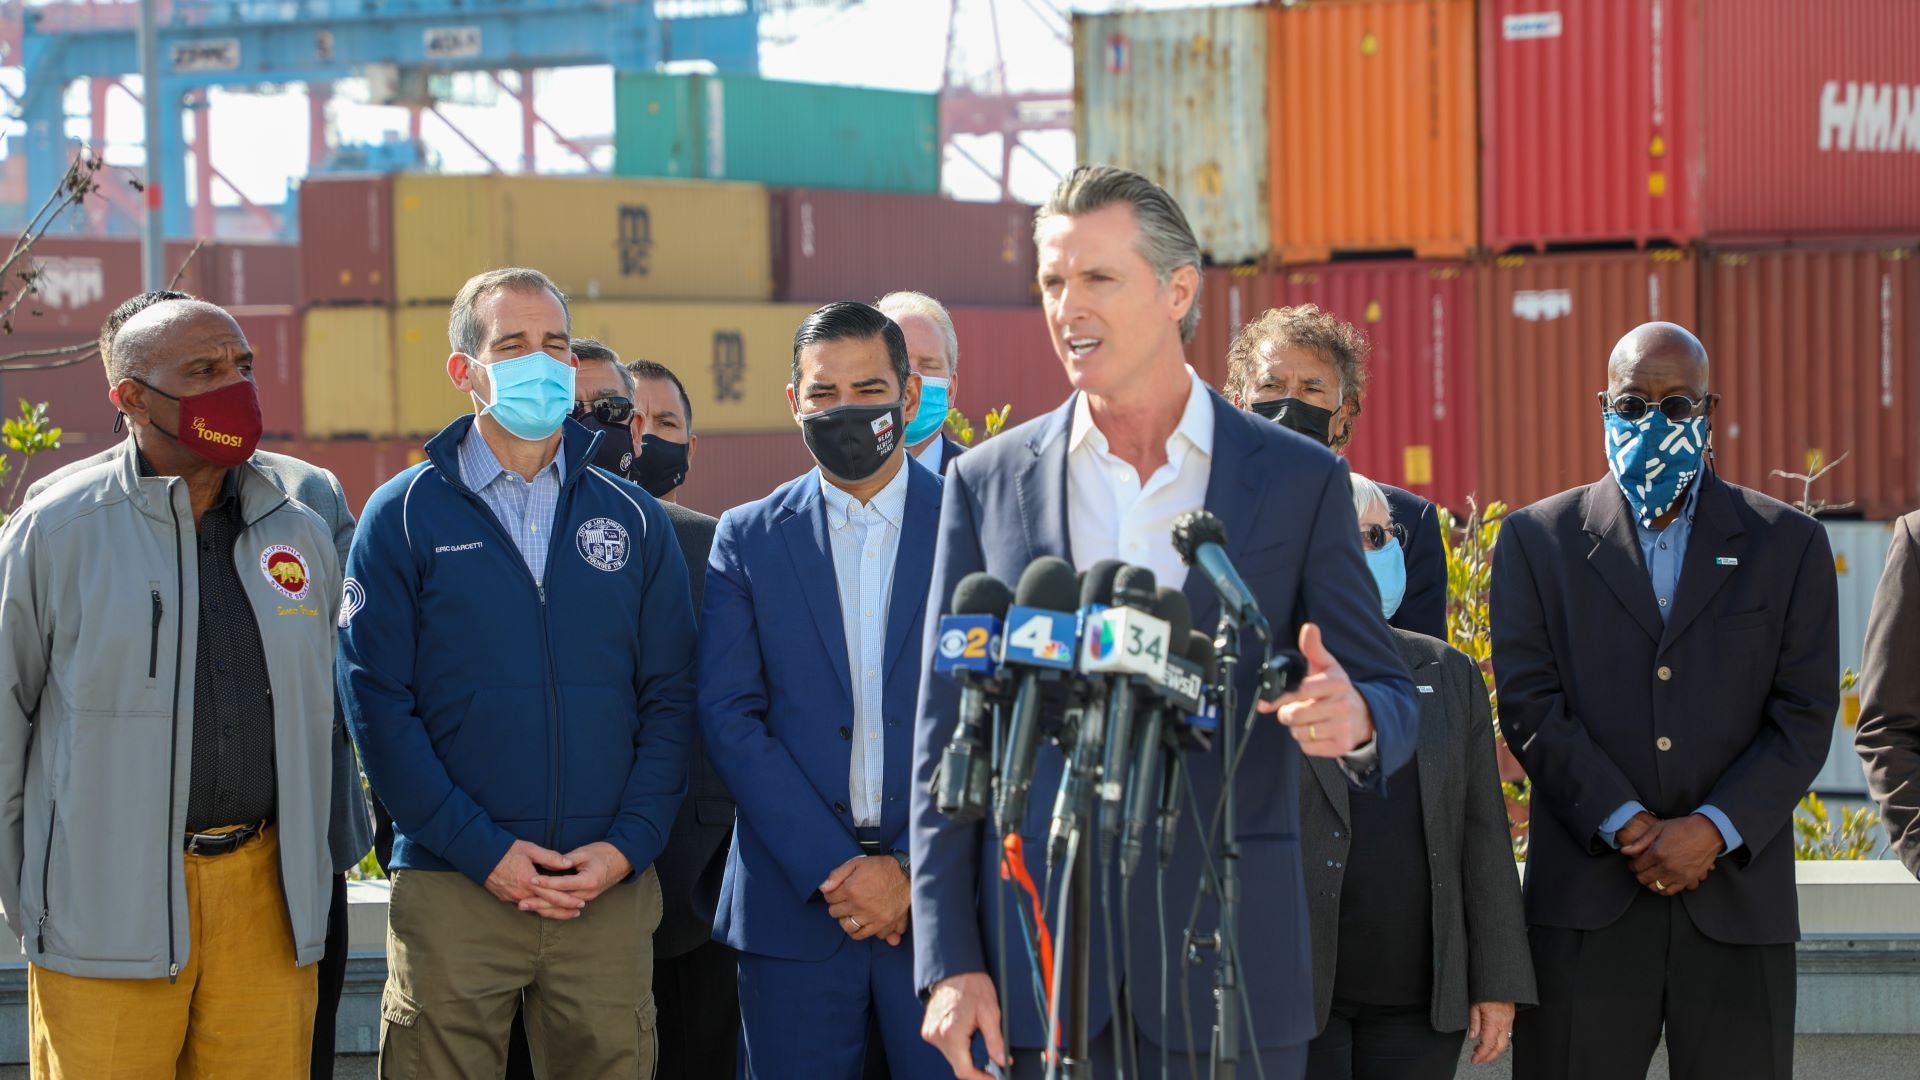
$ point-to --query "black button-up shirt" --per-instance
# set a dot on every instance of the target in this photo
(232, 781)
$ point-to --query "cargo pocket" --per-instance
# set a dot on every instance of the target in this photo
(399, 1035)
(647, 1016)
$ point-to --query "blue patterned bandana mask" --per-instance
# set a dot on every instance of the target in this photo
(1654, 459)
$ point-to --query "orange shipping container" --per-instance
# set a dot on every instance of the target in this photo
(1373, 142)
(1814, 356)
(1230, 298)
(1547, 325)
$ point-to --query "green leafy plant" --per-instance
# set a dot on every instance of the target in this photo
(996, 422)
(1818, 835)
(27, 435)
(1469, 549)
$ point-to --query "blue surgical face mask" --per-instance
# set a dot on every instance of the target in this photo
(532, 395)
(933, 410)
(1390, 573)
(1654, 459)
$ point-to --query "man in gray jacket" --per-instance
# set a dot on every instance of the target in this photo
(349, 827)
(169, 604)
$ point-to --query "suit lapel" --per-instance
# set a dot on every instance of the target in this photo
(1042, 486)
(1233, 496)
(1334, 783)
(805, 532)
(1430, 744)
(1717, 533)
(913, 566)
(1616, 554)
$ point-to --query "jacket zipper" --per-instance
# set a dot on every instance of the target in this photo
(555, 744)
(153, 650)
(46, 868)
(173, 740)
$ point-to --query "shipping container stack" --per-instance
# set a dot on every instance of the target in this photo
(76, 282)
(742, 205)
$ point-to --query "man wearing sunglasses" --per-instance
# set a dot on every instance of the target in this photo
(1667, 652)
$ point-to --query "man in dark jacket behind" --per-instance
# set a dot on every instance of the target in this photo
(533, 757)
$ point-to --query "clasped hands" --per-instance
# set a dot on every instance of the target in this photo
(1670, 856)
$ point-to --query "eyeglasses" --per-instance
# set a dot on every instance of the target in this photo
(1631, 407)
(608, 410)
(1375, 537)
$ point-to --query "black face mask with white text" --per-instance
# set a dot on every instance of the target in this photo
(852, 442)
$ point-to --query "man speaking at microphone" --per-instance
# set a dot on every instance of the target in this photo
(1142, 441)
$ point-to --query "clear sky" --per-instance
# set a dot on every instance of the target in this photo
(259, 139)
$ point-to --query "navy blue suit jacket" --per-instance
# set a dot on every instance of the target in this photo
(1292, 533)
(776, 707)
(1423, 609)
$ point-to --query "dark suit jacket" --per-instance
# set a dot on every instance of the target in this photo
(695, 858)
(1479, 934)
(1730, 703)
(1290, 527)
(1888, 737)
(950, 451)
(776, 702)
(350, 831)
(1423, 609)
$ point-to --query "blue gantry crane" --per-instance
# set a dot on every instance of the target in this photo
(207, 43)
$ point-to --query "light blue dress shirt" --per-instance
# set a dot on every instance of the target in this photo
(525, 510)
(866, 540)
(1663, 551)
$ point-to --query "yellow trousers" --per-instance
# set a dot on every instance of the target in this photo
(239, 1009)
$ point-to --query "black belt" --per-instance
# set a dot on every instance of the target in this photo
(869, 837)
(222, 843)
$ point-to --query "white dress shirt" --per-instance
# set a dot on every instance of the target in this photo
(933, 455)
(1112, 515)
(865, 541)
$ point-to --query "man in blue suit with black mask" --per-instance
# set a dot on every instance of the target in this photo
(1141, 442)
(809, 675)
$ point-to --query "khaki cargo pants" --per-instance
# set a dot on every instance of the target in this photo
(459, 958)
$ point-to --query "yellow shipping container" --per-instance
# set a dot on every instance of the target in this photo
(602, 239)
(735, 359)
(347, 371)
(598, 239)
(424, 396)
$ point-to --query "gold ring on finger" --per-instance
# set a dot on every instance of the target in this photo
(1659, 886)
(1313, 732)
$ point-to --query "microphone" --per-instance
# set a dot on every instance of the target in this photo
(1200, 651)
(1121, 643)
(1096, 595)
(1039, 644)
(1170, 604)
(968, 650)
(1200, 540)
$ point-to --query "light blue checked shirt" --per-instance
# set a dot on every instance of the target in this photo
(866, 540)
(525, 509)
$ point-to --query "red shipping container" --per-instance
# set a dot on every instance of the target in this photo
(1547, 325)
(361, 464)
(732, 470)
(1758, 120)
(274, 334)
(1230, 298)
(250, 275)
(346, 240)
(1816, 354)
(78, 281)
(1419, 426)
(1006, 359)
(75, 392)
(858, 245)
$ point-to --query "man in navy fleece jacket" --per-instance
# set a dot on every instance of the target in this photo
(516, 664)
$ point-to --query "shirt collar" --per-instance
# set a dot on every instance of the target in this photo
(933, 453)
(1196, 422)
(480, 467)
(890, 502)
(1685, 517)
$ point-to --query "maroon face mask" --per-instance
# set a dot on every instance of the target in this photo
(222, 426)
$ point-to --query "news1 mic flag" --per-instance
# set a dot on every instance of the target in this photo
(967, 650)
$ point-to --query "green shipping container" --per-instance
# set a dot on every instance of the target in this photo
(735, 127)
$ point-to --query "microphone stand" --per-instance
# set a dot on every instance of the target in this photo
(1227, 989)
(1076, 1063)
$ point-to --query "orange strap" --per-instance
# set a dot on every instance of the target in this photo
(1013, 867)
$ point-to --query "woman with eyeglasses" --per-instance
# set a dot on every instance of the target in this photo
(1418, 938)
